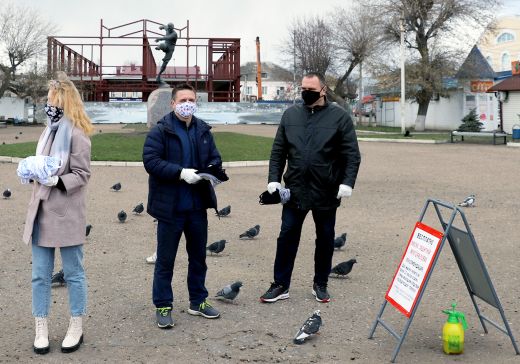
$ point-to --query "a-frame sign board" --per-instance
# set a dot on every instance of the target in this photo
(416, 267)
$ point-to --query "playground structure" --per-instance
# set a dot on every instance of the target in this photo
(214, 69)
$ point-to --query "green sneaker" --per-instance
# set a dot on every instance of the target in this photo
(163, 316)
(204, 310)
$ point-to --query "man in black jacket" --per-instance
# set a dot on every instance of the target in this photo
(319, 144)
(178, 146)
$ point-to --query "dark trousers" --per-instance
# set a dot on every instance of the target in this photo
(194, 224)
(289, 239)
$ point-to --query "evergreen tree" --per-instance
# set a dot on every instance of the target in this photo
(471, 122)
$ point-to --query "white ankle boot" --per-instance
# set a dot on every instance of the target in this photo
(41, 339)
(74, 336)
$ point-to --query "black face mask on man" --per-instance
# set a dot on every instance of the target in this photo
(310, 97)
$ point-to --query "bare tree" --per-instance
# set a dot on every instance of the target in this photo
(425, 22)
(23, 36)
(32, 85)
(420, 78)
(356, 36)
(336, 47)
(309, 42)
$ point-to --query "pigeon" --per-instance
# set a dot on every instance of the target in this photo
(344, 268)
(225, 211)
(217, 247)
(340, 241)
(230, 292)
(121, 216)
(138, 209)
(7, 193)
(310, 327)
(251, 233)
(87, 229)
(468, 201)
(58, 279)
(16, 137)
(20, 133)
(116, 187)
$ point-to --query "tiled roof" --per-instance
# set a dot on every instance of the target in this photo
(509, 84)
(475, 66)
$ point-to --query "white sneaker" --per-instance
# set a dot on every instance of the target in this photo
(152, 258)
(74, 336)
(41, 339)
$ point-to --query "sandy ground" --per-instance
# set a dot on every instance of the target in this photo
(393, 184)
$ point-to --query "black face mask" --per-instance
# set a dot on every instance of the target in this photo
(310, 97)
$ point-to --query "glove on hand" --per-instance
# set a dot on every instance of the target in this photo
(50, 182)
(273, 186)
(344, 191)
(190, 175)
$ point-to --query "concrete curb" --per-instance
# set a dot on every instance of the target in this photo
(412, 141)
(14, 160)
(513, 144)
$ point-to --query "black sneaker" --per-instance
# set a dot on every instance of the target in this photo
(320, 292)
(274, 293)
(204, 310)
(163, 316)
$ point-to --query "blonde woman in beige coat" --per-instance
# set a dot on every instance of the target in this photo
(56, 212)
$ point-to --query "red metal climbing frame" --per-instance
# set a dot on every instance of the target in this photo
(211, 65)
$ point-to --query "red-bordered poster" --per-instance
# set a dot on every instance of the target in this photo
(415, 264)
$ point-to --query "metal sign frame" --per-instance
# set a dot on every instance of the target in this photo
(469, 261)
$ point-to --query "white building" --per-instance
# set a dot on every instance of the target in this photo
(11, 106)
(501, 45)
(509, 91)
(277, 83)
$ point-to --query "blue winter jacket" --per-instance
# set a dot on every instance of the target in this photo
(163, 158)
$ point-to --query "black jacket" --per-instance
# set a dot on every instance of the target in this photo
(162, 159)
(321, 150)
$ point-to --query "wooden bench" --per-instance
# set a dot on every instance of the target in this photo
(490, 134)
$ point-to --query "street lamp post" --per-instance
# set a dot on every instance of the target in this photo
(403, 93)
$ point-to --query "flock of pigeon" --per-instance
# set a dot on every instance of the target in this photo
(231, 291)
(312, 325)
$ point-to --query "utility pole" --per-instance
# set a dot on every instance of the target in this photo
(294, 66)
(403, 91)
(245, 87)
(360, 93)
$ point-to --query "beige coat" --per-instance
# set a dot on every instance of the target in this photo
(62, 217)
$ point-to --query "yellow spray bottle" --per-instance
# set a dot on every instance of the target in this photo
(453, 331)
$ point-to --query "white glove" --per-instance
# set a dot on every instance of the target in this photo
(273, 186)
(189, 175)
(344, 191)
(50, 182)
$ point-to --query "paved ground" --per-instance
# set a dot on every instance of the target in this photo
(393, 183)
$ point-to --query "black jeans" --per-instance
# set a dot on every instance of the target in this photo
(194, 224)
(289, 239)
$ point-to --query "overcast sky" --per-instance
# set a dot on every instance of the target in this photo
(245, 19)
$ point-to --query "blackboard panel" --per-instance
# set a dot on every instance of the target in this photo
(466, 253)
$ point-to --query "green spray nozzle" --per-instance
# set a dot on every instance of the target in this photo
(456, 316)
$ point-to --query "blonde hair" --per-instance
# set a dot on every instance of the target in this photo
(66, 95)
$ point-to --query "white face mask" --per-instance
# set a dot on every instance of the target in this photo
(186, 109)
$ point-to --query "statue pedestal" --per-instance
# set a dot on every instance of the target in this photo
(158, 105)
